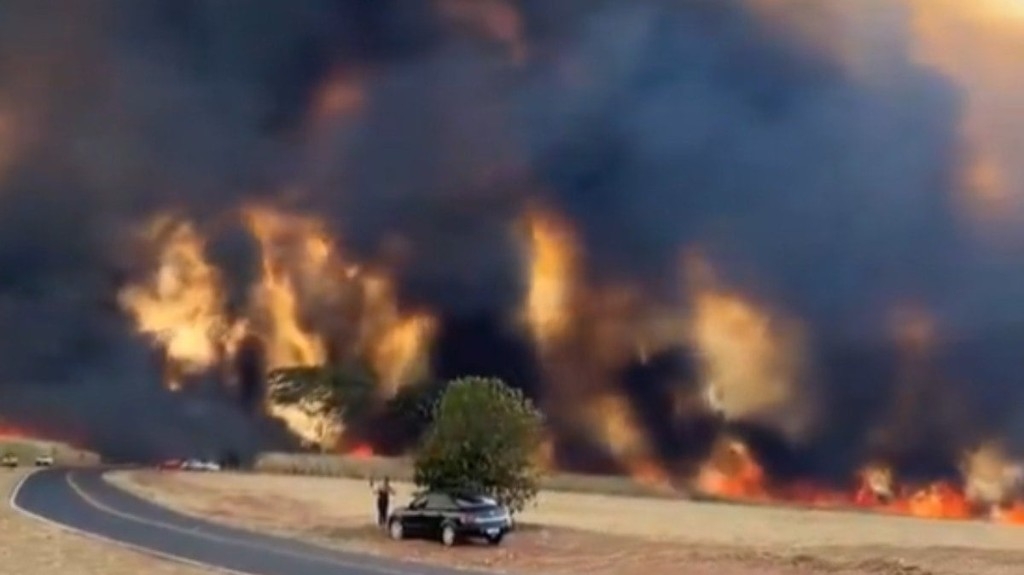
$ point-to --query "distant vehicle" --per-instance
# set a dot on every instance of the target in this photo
(450, 517)
(189, 465)
(199, 465)
(210, 466)
(9, 460)
(44, 461)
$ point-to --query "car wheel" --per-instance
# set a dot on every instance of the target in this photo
(396, 530)
(448, 536)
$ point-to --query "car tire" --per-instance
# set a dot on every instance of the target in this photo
(396, 530)
(448, 535)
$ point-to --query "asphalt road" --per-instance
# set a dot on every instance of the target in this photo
(80, 500)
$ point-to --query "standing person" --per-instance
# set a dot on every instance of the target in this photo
(383, 493)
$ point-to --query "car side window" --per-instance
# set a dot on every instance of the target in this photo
(440, 501)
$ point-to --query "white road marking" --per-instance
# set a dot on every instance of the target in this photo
(13, 503)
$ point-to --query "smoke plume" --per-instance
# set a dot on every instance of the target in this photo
(355, 178)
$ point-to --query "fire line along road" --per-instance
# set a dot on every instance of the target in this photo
(81, 501)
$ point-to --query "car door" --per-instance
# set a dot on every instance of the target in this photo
(413, 519)
(438, 507)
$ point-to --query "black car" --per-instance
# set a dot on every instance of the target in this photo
(450, 517)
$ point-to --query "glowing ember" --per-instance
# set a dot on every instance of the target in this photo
(361, 451)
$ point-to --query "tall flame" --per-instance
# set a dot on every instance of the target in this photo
(180, 307)
(583, 334)
(553, 257)
(401, 355)
(614, 422)
(294, 253)
(750, 361)
(307, 307)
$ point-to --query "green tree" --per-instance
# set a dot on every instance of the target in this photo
(484, 437)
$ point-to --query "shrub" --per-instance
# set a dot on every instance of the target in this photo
(484, 438)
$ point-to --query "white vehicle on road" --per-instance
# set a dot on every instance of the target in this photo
(199, 465)
(44, 461)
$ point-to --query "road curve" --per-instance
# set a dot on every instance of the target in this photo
(80, 500)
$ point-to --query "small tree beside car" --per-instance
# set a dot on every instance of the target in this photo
(484, 439)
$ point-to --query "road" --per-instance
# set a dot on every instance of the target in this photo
(81, 501)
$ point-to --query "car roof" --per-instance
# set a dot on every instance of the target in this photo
(472, 496)
(460, 493)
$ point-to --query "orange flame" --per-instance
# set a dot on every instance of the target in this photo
(181, 305)
(751, 361)
(614, 423)
(295, 255)
(732, 472)
(939, 500)
(583, 334)
(553, 259)
(308, 306)
(1012, 514)
(361, 451)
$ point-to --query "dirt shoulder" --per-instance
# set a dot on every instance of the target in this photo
(30, 547)
(599, 535)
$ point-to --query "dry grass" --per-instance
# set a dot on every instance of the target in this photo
(30, 547)
(600, 534)
(400, 469)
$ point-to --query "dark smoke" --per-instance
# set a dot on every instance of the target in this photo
(653, 124)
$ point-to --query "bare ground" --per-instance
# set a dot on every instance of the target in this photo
(30, 547)
(594, 534)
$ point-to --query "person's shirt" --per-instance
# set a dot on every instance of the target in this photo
(384, 493)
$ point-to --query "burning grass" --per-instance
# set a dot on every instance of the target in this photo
(733, 473)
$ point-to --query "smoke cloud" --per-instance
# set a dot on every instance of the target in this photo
(842, 161)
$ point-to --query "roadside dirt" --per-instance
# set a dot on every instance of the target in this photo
(32, 548)
(597, 535)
